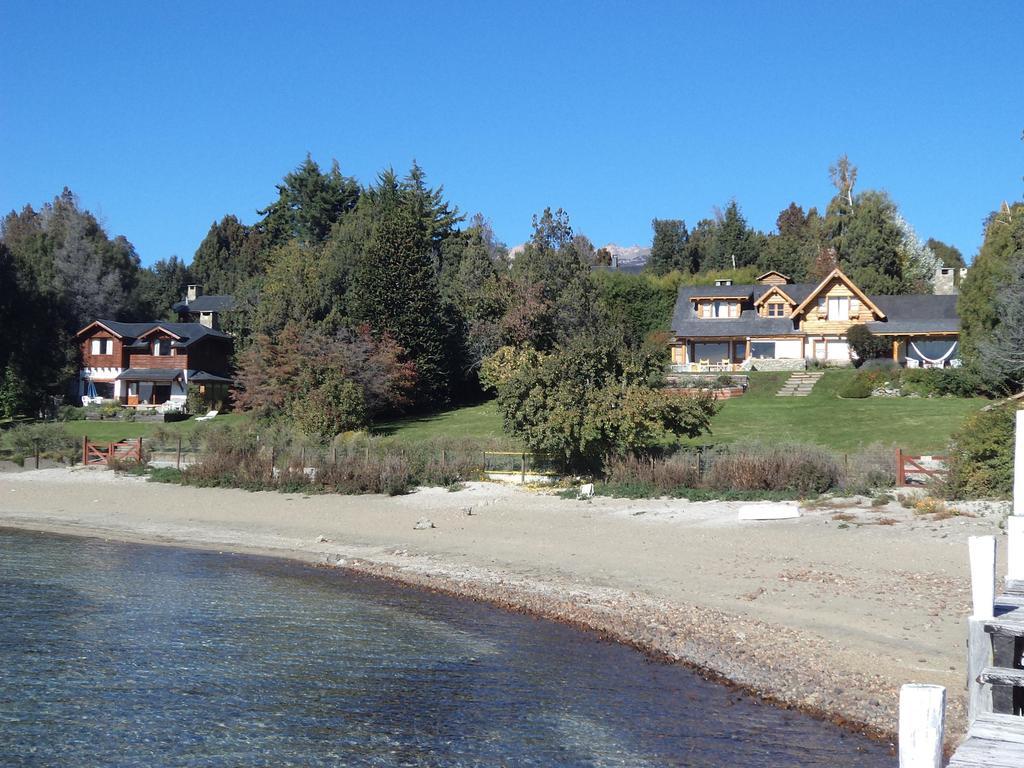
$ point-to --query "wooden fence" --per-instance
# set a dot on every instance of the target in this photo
(918, 470)
(124, 450)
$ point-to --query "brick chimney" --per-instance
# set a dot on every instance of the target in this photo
(194, 292)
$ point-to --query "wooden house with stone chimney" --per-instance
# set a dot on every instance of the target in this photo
(775, 324)
(153, 364)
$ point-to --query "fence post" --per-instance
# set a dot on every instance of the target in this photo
(177, 458)
(1015, 522)
(85, 449)
(524, 467)
(900, 477)
(982, 550)
(334, 454)
(138, 449)
(979, 656)
(302, 456)
(37, 454)
(922, 713)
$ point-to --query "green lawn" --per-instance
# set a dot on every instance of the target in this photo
(920, 425)
(106, 431)
(474, 421)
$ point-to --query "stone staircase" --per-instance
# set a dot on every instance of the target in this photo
(800, 384)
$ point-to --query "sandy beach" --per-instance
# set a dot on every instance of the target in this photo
(827, 614)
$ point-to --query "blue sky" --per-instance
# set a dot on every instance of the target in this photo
(165, 116)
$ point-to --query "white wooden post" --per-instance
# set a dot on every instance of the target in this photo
(922, 714)
(983, 575)
(1018, 467)
(1015, 547)
(1015, 523)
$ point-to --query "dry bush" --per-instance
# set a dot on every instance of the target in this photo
(679, 471)
(758, 467)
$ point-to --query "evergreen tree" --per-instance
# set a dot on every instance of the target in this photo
(309, 202)
(669, 246)
(394, 290)
(230, 256)
(948, 255)
(735, 244)
(1001, 253)
(871, 246)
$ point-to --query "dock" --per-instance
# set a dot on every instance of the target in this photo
(995, 736)
(995, 659)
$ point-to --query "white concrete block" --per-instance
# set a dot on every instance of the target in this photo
(769, 511)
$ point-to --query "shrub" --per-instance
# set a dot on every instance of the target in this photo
(881, 364)
(866, 345)
(50, 438)
(856, 387)
(755, 466)
(194, 402)
(981, 455)
(70, 413)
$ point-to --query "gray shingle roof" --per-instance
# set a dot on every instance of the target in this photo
(212, 303)
(189, 332)
(922, 313)
(150, 374)
(686, 323)
(904, 314)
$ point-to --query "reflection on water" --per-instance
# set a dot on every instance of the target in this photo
(124, 655)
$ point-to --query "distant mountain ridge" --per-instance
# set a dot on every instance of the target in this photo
(628, 255)
(632, 255)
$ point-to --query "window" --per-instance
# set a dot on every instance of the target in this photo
(161, 348)
(763, 349)
(839, 308)
(776, 309)
(102, 346)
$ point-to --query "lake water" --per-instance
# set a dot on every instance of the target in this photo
(123, 655)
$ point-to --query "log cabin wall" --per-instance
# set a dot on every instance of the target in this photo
(114, 360)
(813, 321)
(178, 358)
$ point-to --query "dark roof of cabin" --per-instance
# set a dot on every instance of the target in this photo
(922, 313)
(150, 374)
(211, 303)
(916, 313)
(686, 323)
(189, 333)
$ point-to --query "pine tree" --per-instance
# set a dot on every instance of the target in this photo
(394, 290)
(1001, 252)
(668, 248)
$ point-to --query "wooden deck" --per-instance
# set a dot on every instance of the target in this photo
(995, 738)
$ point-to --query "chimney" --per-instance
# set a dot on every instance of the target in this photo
(210, 320)
(946, 281)
(194, 291)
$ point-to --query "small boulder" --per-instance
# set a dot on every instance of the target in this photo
(321, 539)
(423, 524)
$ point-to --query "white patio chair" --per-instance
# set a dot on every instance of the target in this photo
(209, 415)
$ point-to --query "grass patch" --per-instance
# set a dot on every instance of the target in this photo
(112, 431)
(915, 424)
(482, 422)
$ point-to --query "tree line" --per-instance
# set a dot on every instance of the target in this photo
(372, 299)
(861, 232)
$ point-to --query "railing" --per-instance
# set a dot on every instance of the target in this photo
(709, 367)
(909, 469)
(521, 463)
(124, 450)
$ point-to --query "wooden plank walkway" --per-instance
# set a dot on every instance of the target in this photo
(995, 739)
